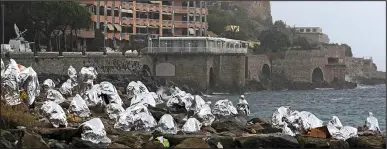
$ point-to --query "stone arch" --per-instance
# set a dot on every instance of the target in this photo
(211, 79)
(265, 75)
(317, 75)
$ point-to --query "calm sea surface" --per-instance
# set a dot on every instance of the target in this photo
(351, 106)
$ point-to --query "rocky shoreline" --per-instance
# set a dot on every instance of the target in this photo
(145, 115)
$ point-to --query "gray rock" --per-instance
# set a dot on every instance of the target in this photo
(268, 141)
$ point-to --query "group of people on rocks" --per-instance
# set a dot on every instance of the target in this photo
(136, 114)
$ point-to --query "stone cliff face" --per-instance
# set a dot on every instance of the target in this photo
(258, 10)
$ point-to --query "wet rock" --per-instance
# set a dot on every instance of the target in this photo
(268, 141)
(153, 144)
(267, 129)
(229, 124)
(5, 143)
(157, 113)
(134, 139)
(367, 142)
(79, 143)
(56, 144)
(65, 104)
(257, 120)
(109, 126)
(65, 134)
(33, 141)
(254, 128)
(209, 129)
(193, 143)
(117, 145)
(179, 118)
(7, 140)
(179, 138)
(313, 142)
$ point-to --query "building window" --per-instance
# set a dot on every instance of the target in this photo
(301, 30)
(314, 30)
(308, 30)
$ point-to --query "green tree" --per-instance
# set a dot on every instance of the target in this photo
(348, 50)
(273, 40)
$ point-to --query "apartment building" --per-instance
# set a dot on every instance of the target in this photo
(313, 34)
(120, 19)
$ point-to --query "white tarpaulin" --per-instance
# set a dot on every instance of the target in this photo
(113, 110)
(66, 88)
(94, 131)
(192, 125)
(143, 98)
(167, 124)
(224, 108)
(91, 96)
(55, 96)
(54, 113)
(78, 107)
(372, 123)
(48, 84)
(10, 79)
(111, 93)
(205, 115)
(136, 117)
(337, 131)
(30, 84)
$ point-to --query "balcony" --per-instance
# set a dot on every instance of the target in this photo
(185, 24)
(141, 22)
(195, 50)
(111, 35)
(127, 5)
(167, 9)
(167, 23)
(109, 19)
(85, 33)
(127, 21)
(184, 10)
(181, 24)
(154, 22)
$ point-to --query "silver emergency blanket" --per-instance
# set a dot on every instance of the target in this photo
(284, 117)
(372, 123)
(54, 113)
(86, 78)
(94, 131)
(2, 65)
(55, 96)
(192, 125)
(66, 88)
(143, 98)
(111, 93)
(243, 107)
(72, 73)
(205, 115)
(113, 110)
(224, 108)
(337, 131)
(48, 84)
(197, 103)
(162, 94)
(91, 96)
(157, 98)
(135, 88)
(136, 117)
(167, 124)
(78, 107)
(30, 83)
(10, 79)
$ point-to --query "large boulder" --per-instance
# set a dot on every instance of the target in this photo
(65, 134)
(193, 143)
(314, 142)
(133, 139)
(235, 123)
(179, 138)
(33, 141)
(367, 142)
(268, 141)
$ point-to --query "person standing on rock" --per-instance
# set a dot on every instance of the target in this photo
(243, 106)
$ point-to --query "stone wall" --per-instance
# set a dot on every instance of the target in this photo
(255, 66)
(113, 67)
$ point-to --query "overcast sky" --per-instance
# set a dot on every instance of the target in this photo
(362, 25)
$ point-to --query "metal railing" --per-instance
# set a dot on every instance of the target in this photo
(196, 50)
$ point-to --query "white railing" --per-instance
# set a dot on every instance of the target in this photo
(195, 50)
